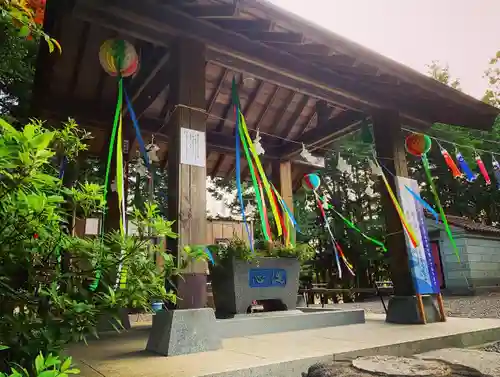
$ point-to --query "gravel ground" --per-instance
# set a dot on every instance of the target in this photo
(484, 306)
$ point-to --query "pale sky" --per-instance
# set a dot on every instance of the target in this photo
(465, 34)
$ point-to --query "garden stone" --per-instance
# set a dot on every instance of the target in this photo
(391, 366)
(180, 332)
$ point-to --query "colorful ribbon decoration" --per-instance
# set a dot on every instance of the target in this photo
(239, 190)
(451, 164)
(425, 162)
(353, 226)
(482, 169)
(264, 209)
(349, 266)
(140, 141)
(408, 229)
(424, 204)
(281, 213)
(469, 175)
(114, 56)
(327, 226)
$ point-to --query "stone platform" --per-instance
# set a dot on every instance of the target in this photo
(285, 354)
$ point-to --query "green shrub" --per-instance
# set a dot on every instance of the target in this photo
(47, 298)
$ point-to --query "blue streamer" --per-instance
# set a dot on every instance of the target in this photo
(290, 215)
(62, 167)
(238, 175)
(142, 146)
(424, 204)
(470, 176)
(209, 254)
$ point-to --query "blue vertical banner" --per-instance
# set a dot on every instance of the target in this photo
(421, 259)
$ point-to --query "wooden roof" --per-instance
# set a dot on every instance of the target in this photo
(297, 81)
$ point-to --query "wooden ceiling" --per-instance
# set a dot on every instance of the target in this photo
(297, 83)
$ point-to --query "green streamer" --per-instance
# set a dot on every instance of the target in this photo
(114, 131)
(351, 225)
(427, 169)
(254, 178)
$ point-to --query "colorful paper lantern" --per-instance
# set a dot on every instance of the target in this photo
(418, 144)
(311, 182)
(118, 56)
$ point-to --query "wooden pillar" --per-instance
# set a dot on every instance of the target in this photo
(187, 165)
(282, 180)
(389, 144)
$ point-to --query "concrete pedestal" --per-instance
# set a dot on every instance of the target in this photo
(180, 332)
(404, 310)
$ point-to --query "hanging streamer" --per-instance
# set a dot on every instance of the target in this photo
(451, 164)
(265, 217)
(286, 209)
(409, 231)
(260, 170)
(327, 226)
(120, 190)
(114, 131)
(424, 204)
(353, 226)
(427, 170)
(62, 167)
(349, 266)
(283, 223)
(238, 177)
(469, 175)
(482, 169)
(496, 170)
(140, 141)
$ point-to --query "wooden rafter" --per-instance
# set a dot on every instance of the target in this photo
(280, 115)
(220, 83)
(324, 132)
(304, 49)
(210, 11)
(242, 24)
(152, 86)
(301, 105)
(273, 36)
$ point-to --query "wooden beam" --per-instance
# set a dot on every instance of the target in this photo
(388, 136)
(151, 65)
(295, 116)
(282, 112)
(304, 49)
(322, 134)
(213, 99)
(273, 36)
(210, 11)
(187, 200)
(242, 24)
(266, 108)
(156, 82)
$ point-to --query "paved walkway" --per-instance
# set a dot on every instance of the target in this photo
(279, 355)
(484, 306)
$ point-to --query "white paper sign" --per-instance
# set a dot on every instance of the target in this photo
(193, 147)
(92, 227)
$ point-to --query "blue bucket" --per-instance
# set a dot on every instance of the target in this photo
(157, 306)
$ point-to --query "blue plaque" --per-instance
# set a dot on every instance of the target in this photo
(266, 277)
